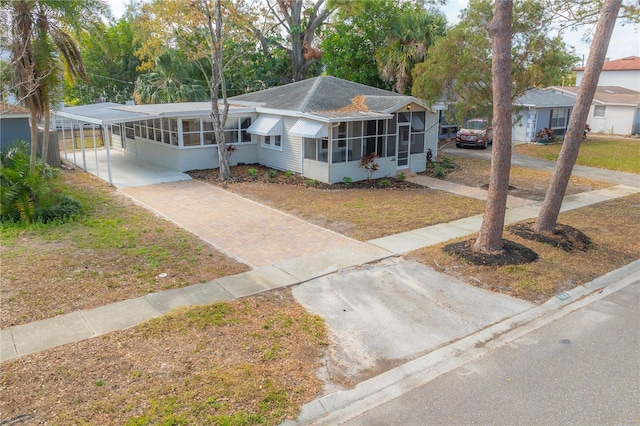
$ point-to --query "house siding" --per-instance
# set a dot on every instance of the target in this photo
(290, 157)
(12, 129)
(617, 120)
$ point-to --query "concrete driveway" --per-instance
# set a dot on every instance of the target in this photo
(380, 315)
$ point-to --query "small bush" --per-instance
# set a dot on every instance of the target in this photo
(401, 177)
(66, 208)
(347, 180)
(368, 163)
(311, 183)
(384, 183)
(447, 163)
(271, 174)
(439, 171)
(252, 171)
(288, 174)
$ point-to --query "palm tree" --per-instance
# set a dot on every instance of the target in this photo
(40, 40)
(170, 81)
(411, 36)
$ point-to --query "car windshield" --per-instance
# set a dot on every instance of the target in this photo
(474, 125)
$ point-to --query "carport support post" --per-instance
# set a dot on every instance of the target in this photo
(84, 155)
(106, 145)
(95, 148)
(73, 143)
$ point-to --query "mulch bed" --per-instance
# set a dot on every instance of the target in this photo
(512, 254)
(241, 174)
(564, 237)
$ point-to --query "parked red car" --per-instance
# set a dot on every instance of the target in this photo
(475, 132)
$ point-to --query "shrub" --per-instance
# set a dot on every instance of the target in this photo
(288, 174)
(23, 194)
(401, 177)
(447, 163)
(271, 174)
(311, 182)
(347, 180)
(252, 171)
(546, 135)
(384, 183)
(439, 171)
(368, 163)
(64, 209)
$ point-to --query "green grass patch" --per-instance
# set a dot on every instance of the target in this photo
(612, 154)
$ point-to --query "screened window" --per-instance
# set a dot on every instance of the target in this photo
(316, 149)
(191, 132)
(599, 111)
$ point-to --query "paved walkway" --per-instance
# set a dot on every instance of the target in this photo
(245, 230)
(277, 268)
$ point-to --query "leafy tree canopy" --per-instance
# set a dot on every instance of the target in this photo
(457, 69)
(378, 43)
(110, 62)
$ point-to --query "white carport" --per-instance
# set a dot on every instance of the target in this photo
(104, 115)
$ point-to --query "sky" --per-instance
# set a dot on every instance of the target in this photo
(625, 40)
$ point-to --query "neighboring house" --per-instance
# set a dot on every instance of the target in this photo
(614, 110)
(14, 124)
(320, 128)
(623, 72)
(538, 109)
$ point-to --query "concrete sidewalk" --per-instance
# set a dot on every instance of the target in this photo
(37, 336)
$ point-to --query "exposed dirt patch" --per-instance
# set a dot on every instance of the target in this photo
(251, 361)
(511, 254)
(564, 237)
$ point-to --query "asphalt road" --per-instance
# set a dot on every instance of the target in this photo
(581, 369)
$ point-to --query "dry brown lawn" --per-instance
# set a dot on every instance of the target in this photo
(612, 227)
(363, 214)
(527, 183)
(251, 361)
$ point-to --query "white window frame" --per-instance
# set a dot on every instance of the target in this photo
(599, 111)
(271, 142)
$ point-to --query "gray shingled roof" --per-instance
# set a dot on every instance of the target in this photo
(541, 98)
(608, 95)
(324, 96)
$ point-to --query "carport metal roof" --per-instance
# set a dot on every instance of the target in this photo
(104, 114)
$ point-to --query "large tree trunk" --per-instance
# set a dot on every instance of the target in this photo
(34, 140)
(45, 137)
(217, 84)
(490, 237)
(548, 217)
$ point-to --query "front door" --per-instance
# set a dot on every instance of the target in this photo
(403, 146)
